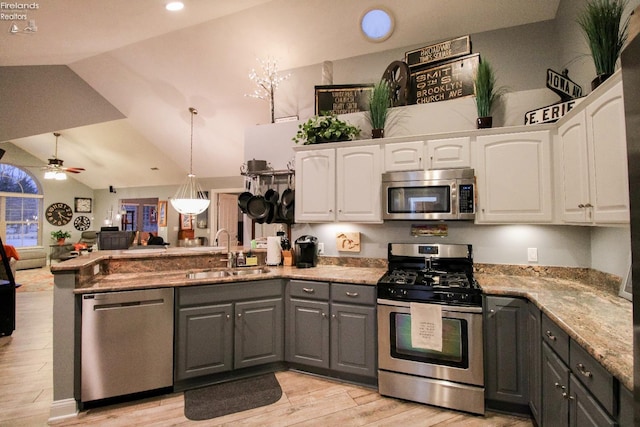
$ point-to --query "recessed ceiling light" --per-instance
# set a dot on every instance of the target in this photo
(174, 6)
(377, 24)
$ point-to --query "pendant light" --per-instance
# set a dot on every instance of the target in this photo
(190, 199)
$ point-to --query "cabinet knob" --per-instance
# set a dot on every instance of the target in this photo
(333, 316)
(324, 315)
(492, 311)
(581, 205)
(239, 314)
(583, 370)
(228, 317)
(550, 335)
(567, 396)
(560, 386)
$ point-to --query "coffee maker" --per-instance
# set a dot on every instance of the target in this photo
(306, 254)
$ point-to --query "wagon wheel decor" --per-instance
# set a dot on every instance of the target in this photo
(397, 75)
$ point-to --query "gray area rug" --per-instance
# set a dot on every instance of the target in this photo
(235, 396)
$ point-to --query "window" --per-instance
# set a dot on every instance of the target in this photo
(20, 207)
(377, 24)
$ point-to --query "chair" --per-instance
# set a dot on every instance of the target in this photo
(89, 238)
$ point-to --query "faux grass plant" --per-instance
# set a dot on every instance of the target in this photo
(485, 90)
(379, 104)
(601, 22)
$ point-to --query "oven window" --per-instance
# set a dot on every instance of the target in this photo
(432, 199)
(454, 352)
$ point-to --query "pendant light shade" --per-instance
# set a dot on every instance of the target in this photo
(190, 199)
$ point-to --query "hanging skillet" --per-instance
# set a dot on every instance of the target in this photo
(257, 206)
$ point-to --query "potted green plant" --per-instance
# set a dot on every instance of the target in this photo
(325, 128)
(601, 23)
(60, 236)
(379, 108)
(486, 93)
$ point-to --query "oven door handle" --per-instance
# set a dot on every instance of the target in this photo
(445, 308)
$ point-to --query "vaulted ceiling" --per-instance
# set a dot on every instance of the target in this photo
(152, 65)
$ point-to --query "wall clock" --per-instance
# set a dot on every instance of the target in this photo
(82, 223)
(58, 214)
(83, 204)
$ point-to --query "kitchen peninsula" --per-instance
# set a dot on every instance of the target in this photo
(593, 316)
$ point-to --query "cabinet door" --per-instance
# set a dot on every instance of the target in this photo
(404, 156)
(258, 332)
(308, 332)
(204, 341)
(506, 351)
(449, 153)
(359, 182)
(575, 199)
(315, 186)
(555, 383)
(606, 135)
(353, 338)
(514, 178)
(585, 411)
(534, 361)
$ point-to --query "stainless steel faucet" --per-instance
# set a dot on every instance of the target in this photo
(230, 254)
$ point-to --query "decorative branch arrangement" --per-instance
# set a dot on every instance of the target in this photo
(267, 82)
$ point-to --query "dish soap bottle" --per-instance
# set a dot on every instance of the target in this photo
(240, 262)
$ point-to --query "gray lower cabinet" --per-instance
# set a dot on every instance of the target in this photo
(332, 326)
(534, 360)
(506, 354)
(576, 390)
(222, 327)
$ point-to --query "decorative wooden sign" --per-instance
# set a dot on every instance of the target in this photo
(451, 80)
(562, 85)
(439, 52)
(348, 241)
(342, 99)
(550, 113)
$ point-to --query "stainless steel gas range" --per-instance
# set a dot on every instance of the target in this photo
(429, 292)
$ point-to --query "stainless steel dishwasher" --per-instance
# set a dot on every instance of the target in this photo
(127, 342)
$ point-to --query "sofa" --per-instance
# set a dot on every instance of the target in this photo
(31, 258)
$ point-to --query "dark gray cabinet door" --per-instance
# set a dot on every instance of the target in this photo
(555, 385)
(353, 339)
(204, 341)
(307, 332)
(506, 351)
(258, 332)
(585, 411)
(534, 330)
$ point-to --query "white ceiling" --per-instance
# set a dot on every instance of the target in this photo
(153, 65)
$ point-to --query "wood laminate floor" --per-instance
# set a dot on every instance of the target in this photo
(26, 393)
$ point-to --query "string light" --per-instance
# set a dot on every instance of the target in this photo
(267, 82)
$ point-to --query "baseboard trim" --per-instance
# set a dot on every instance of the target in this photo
(62, 409)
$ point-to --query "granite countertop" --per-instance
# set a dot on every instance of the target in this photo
(591, 314)
(596, 318)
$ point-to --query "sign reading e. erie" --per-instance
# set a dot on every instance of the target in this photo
(550, 113)
(562, 85)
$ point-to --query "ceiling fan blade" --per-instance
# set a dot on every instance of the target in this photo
(73, 170)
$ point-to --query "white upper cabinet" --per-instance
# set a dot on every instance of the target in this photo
(513, 172)
(359, 179)
(449, 153)
(404, 156)
(349, 178)
(315, 185)
(592, 156)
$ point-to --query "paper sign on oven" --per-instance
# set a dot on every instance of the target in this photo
(426, 326)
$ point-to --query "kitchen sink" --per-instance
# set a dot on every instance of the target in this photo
(247, 271)
(216, 274)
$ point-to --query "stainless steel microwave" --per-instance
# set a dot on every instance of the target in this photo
(446, 194)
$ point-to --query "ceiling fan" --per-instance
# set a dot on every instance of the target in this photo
(55, 168)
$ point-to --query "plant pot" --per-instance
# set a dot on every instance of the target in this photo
(61, 241)
(484, 122)
(377, 133)
(600, 78)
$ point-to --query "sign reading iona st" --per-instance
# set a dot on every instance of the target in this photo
(562, 85)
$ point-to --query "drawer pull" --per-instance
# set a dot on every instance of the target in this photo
(583, 370)
(308, 290)
(551, 336)
(352, 294)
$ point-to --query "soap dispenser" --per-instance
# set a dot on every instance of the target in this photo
(240, 261)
